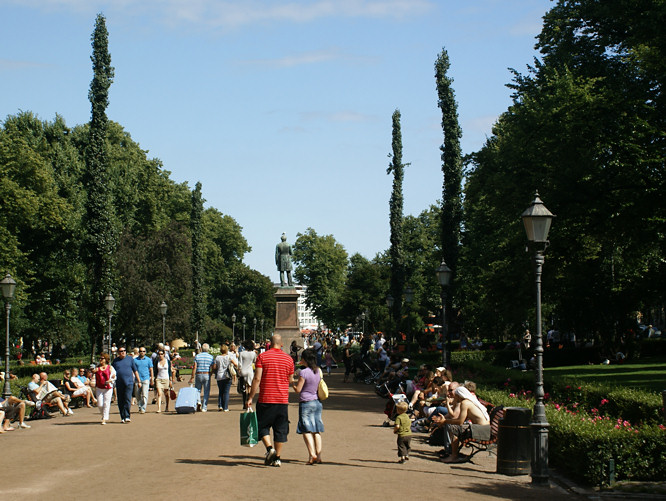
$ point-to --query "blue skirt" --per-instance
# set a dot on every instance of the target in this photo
(309, 417)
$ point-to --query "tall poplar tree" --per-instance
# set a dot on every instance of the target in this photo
(396, 253)
(452, 167)
(100, 237)
(198, 279)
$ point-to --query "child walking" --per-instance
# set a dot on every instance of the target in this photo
(403, 428)
(328, 357)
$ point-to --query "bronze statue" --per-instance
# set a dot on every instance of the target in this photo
(283, 260)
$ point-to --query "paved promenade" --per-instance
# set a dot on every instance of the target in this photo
(164, 456)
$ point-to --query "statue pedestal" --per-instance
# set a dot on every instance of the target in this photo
(286, 316)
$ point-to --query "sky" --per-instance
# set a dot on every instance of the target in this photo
(281, 109)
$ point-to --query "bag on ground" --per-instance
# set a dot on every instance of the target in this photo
(249, 431)
(187, 400)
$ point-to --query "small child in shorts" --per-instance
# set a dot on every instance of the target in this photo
(403, 428)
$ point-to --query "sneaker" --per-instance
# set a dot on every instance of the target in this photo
(103, 422)
(204, 410)
(401, 460)
(226, 410)
(24, 426)
(128, 420)
(276, 462)
(142, 411)
(122, 421)
(270, 456)
(70, 412)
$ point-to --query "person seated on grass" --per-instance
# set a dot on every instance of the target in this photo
(43, 392)
(12, 409)
(472, 412)
(76, 388)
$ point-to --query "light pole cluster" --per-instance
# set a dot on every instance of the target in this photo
(444, 274)
(537, 220)
(163, 310)
(8, 285)
(243, 320)
(109, 302)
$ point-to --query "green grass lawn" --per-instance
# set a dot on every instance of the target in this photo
(649, 375)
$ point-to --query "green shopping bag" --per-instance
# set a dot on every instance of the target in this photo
(249, 431)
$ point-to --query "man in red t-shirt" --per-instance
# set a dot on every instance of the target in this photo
(272, 378)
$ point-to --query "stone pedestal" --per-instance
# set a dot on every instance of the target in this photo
(286, 316)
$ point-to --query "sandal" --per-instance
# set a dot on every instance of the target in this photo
(312, 461)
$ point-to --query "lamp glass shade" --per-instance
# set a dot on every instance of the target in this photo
(409, 294)
(389, 301)
(163, 308)
(233, 318)
(243, 319)
(254, 321)
(8, 286)
(443, 274)
(109, 302)
(537, 220)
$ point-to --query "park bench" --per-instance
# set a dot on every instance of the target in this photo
(495, 414)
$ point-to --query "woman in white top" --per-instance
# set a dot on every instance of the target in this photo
(247, 358)
(223, 376)
(163, 379)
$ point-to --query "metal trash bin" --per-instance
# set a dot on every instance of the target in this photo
(514, 450)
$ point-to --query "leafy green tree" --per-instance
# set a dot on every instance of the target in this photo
(452, 169)
(198, 276)
(155, 268)
(585, 128)
(366, 287)
(101, 233)
(396, 253)
(321, 265)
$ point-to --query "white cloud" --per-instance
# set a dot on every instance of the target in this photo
(337, 116)
(303, 58)
(8, 64)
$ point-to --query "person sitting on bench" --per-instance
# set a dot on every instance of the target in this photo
(472, 412)
(77, 388)
(13, 408)
(42, 391)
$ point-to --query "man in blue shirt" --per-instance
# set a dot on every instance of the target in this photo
(144, 367)
(126, 371)
(201, 371)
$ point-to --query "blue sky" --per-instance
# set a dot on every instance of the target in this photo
(282, 109)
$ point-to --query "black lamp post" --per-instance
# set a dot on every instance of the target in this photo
(363, 318)
(163, 310)
(409, 297)
(8, 285)
(389, 302)
(243, 320)
(109, 302)
(444, 278)
(233, 327)
(537, 219)
(262, 329)
(254, 331)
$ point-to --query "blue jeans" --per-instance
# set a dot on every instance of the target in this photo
(203, 380)
(223, 386)
(124, 393)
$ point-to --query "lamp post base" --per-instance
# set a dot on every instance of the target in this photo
(540, 453)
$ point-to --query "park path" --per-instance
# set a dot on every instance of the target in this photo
(165, 456)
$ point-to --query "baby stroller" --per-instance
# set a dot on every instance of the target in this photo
(394, 399)
(364, 373)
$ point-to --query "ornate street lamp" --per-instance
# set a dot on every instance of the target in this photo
(8, 285)
(262, 329)
(109, 302)
(243, 320)
(363, 318)
(233, 327)
(444, 274)
(537, 220)
(163, 310)
(390, 302)
(254, 332)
